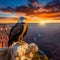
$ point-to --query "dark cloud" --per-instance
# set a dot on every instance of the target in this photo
(31, 1)
(8, 9)
(54, 5)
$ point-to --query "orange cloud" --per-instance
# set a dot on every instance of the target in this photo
(50, 15)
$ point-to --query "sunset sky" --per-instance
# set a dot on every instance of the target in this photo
(37, 9)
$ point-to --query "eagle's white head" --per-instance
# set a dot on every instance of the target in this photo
(21, 19)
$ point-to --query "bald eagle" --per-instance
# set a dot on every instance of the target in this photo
(18, 31)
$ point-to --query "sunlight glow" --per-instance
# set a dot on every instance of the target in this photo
(29, 20)
(42, 23)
